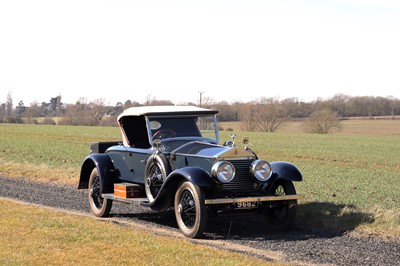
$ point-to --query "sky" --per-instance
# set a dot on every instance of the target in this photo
(178, 50)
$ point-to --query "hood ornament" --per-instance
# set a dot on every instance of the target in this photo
(230, 143)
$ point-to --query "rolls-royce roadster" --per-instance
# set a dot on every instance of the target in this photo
(170, 157)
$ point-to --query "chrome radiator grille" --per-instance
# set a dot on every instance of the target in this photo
(243, 180)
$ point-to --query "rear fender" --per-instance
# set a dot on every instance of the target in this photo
(105, 168)
(166, 195)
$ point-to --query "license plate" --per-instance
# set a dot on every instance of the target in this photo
(246, 205)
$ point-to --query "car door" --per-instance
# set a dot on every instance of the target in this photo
(130, 163)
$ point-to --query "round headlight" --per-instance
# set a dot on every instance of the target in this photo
(261, 169)
(224, 171)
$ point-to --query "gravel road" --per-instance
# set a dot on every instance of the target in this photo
(246, 234)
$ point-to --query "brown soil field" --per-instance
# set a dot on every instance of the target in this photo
(353, 126)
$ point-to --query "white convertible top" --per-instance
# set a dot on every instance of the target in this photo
(165, 110)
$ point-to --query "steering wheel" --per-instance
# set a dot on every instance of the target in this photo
(164, 133)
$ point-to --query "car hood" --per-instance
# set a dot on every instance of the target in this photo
(218, 152)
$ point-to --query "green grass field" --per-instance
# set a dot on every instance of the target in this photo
(351, 178)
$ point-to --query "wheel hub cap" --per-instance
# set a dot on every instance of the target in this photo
(180, 208)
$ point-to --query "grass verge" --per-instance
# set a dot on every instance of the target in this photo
(37, 236)
(341, 218)
(39, 173)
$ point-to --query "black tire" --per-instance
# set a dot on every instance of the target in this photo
(282, 216)
(99, 206)
(157, 170)
(190, 210)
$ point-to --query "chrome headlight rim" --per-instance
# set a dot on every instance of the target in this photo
(258, 170)
(224, 171)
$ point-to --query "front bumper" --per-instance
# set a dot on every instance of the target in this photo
(253, 199)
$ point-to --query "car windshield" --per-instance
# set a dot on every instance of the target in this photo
(187, 126)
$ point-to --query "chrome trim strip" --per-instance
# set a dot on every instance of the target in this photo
(251, 199)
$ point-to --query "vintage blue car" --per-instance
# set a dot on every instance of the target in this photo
(170, 157)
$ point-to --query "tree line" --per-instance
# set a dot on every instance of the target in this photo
(264, 114)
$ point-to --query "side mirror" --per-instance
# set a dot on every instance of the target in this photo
(245, 141)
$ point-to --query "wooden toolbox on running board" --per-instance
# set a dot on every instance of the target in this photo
(126, 190)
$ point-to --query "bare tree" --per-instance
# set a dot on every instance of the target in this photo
(70, 115)
(59, 106)
(323, 122)
(9, 105)
(129, 103)
(20, 109)
(77, 114)
(339, 103)
(247, 115)
(97, 110)
(226, 111)
(2, 111)
(393, 103)
(206, 102)
(371, 105)
(33, 111)
(270, 114)
(152, 100)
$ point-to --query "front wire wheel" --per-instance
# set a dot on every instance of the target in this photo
(99, 206)
(190, 210)
(282, 216)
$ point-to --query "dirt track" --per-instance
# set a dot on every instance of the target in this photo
(244, 234)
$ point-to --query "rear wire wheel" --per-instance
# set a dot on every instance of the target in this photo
(99, 206)
(281, 217)
(190, 210)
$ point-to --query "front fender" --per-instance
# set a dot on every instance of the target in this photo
(105, 169)
(195, 175)
(287, 171)
(166, 195)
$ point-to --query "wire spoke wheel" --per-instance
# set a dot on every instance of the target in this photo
(95, 193)
(281, 216)
(190, 211)
(99, 206)
(187, 209)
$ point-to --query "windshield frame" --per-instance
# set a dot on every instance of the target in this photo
(214, 139)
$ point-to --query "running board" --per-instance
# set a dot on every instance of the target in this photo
(111, 196)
